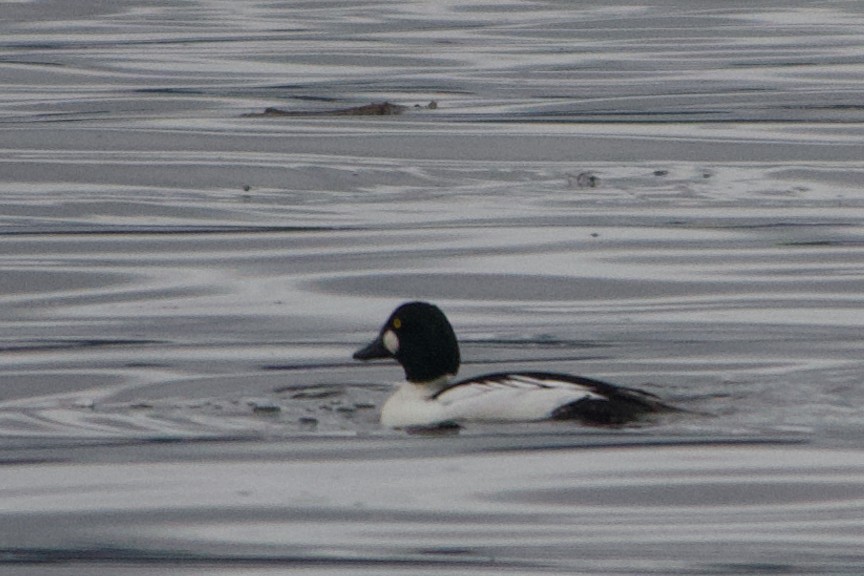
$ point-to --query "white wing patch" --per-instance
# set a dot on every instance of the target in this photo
(511, 397)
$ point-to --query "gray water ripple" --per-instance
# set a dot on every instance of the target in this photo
(575, 518)
(665, 195)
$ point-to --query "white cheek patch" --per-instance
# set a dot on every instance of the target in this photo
(391, 342)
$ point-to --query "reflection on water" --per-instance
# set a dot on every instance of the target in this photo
(467, 507)
(665, 195)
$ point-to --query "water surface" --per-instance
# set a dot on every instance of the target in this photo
(664, 195)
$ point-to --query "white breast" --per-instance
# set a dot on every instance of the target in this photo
(514, 398)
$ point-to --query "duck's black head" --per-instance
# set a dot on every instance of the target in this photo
(420, 338)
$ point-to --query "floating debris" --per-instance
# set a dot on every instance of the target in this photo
(141, 406)
(583, 180)
(308, 423)
(374, 109)
(264, 407)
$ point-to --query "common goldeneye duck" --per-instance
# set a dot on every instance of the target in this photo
(421, 339)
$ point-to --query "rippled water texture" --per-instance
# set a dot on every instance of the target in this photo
(666, 195)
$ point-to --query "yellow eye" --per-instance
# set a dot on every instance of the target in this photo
(397, 323)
